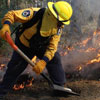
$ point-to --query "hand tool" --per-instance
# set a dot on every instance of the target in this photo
(53, 86)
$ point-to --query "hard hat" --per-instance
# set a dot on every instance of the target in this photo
(62, 10)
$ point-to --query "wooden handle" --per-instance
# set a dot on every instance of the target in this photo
(12, 44)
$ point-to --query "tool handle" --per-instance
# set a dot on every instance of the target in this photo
(12, 44)
(10, 41)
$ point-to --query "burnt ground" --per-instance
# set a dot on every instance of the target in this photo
(89, 90)
(40, 90)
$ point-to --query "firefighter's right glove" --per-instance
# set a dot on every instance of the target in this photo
(5, 28)
(39, 67)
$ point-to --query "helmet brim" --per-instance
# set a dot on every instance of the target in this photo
(50, 6)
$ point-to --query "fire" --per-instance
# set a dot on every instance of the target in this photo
(67, 49)
(79, 68)
(95, 40)
(2, 66)
(84, 42)
(23, 82)
(88, 49)
(97, 59)
(18, 87)
(34, 59)
(29, 83)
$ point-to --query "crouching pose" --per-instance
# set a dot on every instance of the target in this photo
(37, 35)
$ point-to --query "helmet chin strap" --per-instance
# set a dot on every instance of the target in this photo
(59, 24)
(59, 30)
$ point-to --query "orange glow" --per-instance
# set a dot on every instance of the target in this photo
(2, 66)
(34, 59)
(29, 83)
(79, 68)
(18, 87)
(23, 85)
(65, 53)
(90, 49)
(95, 33)
(89, 45)
(94, 61)
(84, 42)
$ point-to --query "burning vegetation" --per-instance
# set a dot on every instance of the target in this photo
(82, 59)
(23, 81)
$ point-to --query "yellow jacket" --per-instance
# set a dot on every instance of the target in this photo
(48, 27)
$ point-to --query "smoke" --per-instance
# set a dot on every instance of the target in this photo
(85, 12)
(85, 20)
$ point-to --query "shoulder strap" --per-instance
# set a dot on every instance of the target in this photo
(37, 16)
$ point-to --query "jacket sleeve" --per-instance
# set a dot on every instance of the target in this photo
(52, 48)
(20, 16)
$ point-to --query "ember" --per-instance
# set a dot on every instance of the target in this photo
(79, 68)
(2, 66)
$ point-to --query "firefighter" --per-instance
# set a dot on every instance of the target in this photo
(38, 34)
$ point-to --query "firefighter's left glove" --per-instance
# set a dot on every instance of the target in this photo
(5, 28)
(39, 66)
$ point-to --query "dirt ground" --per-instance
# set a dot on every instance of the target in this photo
(89, 90)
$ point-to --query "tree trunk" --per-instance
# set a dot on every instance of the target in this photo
(8, 3)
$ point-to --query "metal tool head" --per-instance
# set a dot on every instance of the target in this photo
(64, 90)
(58, 88)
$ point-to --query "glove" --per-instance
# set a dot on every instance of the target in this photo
(39, 67)
(5, 28)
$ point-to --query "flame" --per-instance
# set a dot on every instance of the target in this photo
(94, 33)
(79, 68)
(65, 53)
(90, 45)
(17, 87)
(97, 59)
(2, 66)
(96, 39)
(69, 48)
(29, 83)
(84, 42)
(34, 59)
(94, 60)
(90, 49)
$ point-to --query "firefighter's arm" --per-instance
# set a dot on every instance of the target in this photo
(52, 48)
(13, 16)
(20, 16)
(49, 54)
